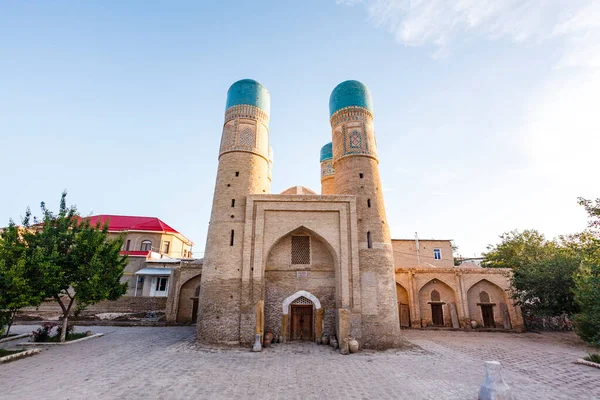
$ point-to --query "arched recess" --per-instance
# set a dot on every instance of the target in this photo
(302, 230)
(433, 312)
(285, 307)
(403, 306)
(285, 281)
(485, 311)
(401, 294)
(188, 300)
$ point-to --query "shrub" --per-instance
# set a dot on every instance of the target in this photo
(42, 334)
(594, 357)
(70, 329)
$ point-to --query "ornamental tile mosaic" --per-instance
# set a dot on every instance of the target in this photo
(327, 169)
(247, 138)
(355, 140)
(354, 137)
(228, 138)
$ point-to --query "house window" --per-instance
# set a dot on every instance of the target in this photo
(300, 250)
(128, 245)
(237, 173)
(146, 245)
(437, 254)
(161, 284)
(232, 202)
(369, 203)
(369, 240)
(361, 175)
(166, 247)
(232, 237)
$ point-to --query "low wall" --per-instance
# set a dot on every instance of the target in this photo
(125, 304)
(559, 323)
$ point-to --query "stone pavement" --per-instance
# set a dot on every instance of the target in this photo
(166, 363)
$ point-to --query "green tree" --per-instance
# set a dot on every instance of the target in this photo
(542, 270)
(19, 286)
(77, 262)
(587, 281)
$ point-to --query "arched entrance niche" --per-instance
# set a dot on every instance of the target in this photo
(434, 303)
(304, 316)
(484, 299)
(187, 311)
(403, 306)
(300, 268)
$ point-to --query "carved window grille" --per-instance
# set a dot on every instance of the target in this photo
(484, 297)
(435, 295)
(302, 301)
(300, 250)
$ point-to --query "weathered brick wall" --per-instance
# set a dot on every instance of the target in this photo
(125, 304)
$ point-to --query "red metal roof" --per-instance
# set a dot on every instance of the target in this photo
(129, 223)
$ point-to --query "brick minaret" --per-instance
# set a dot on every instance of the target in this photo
(357, 173)
(244, 168)
(327, 171)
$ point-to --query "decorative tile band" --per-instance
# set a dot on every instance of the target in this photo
(243, 138)
(327, 170)
(353, 133)
(348, 114)
(246, 111)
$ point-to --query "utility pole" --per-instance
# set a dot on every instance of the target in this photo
(417, 246)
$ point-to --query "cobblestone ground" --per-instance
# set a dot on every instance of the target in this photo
(165, 363)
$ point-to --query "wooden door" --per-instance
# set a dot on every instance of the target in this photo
(302, 322)
(404, 315)
(437, 315)
(488, 316)
(194, 310)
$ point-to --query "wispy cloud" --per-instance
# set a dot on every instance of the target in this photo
(561, 126)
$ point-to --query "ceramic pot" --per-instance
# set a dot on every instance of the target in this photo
(353, 345)
(268, 339)
(325, 339)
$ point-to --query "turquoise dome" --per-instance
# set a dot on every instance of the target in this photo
(350, 93)
(327, 152)
(249, 91)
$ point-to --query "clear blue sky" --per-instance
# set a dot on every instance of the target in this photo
(484, 111)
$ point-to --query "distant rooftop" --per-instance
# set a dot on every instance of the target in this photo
(122, 223)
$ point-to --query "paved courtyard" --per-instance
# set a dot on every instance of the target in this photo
(165, 363)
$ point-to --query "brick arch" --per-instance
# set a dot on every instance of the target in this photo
(497, 295)
(285, 307)
(187, 291)
(447, 296)
(401, 291)
(436, 279)
(303, 229)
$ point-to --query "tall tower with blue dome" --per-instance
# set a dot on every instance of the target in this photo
(357, 173)
(327, 171)
(244, 169)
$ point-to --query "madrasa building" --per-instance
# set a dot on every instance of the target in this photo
(301, 264)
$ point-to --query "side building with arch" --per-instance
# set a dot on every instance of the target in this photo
(433, 293)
